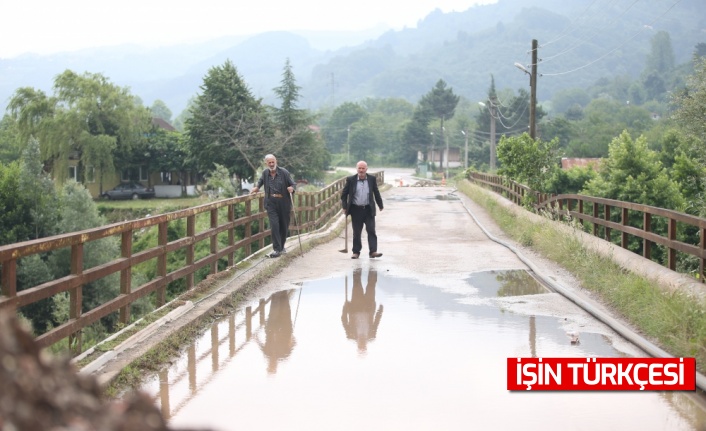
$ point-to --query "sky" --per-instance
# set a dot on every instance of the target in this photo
(50, 26)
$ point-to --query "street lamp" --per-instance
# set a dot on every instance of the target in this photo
(492, 132)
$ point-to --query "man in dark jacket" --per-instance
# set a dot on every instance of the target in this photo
(279, 185)
(359, 196)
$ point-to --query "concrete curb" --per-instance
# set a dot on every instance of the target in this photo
(659, 274)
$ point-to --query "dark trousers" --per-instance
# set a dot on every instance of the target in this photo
(278, 213)
(362, 216)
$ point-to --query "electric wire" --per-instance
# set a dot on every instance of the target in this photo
(595, 32)
(616, 48)
(569, 28)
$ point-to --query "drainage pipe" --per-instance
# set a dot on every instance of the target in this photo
(613, 323)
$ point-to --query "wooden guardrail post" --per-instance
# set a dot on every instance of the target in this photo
(646, 243)
(125, 275)
(214, 240)
(624, 221)
(190, 249)
(671, 251)
(702, 260)
(9, 278)
(76, 296)
(162, 238)
(231, 234)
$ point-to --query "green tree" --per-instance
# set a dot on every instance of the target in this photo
(336, 130)
(168, 152)
(15, 207)
(10, 143)
(633, 173)
(441, 101)
(159, 109)
(78, 212)
(228, 125)
(661, 57)
(88, 117)
(38, 188)
(299, 147)
(415, 135)
(528, 161)
(565, 99)
(691, 106)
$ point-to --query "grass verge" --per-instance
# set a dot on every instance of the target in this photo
(673, 320)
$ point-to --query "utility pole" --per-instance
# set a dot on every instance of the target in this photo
(492, 134)
(445, 136)
(533, 92)
(433, 144)
(465, 156)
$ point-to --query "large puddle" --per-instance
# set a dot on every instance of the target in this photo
(368, 351)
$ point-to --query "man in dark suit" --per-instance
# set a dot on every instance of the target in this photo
(278, 187)
(359, 196)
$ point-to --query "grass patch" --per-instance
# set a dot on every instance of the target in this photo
(673, 320)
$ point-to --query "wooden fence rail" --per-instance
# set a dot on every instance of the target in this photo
(613, 220)
(313, 210)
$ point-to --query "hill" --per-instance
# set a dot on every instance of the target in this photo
(580, 41)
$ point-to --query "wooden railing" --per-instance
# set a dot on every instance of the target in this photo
(313, 210)
(604, 217)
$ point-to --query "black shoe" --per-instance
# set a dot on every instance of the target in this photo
(274, 254)
(375, 254)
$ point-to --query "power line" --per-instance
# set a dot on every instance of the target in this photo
(616, 48)
(569, 27)
(594, 33)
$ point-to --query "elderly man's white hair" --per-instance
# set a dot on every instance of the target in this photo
(270, 156)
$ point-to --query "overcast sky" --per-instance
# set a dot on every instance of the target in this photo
(47, 26)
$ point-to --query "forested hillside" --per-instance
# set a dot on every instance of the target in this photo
(580, 42)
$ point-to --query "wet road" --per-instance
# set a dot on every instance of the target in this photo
(415, 340)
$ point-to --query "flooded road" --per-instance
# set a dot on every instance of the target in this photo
(415, 340)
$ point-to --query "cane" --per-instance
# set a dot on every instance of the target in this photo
(299, 228)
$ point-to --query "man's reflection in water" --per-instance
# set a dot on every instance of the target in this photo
(279, 331)
(359, 318)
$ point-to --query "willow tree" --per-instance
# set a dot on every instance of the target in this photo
(87, 117)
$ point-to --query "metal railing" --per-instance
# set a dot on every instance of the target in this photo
(613, 220)
(313, 210)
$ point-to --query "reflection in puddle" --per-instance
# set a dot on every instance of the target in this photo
(506, 283)
(317, 353)
(447, 197)
(279, 330)
(359, 317)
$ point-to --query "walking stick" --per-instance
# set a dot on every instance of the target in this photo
(345, 248)
(299, 228)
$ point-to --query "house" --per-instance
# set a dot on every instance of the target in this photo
(165, 184)
(439, 157)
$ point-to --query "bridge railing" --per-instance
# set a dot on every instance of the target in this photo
(615, 221)
(313, 210)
